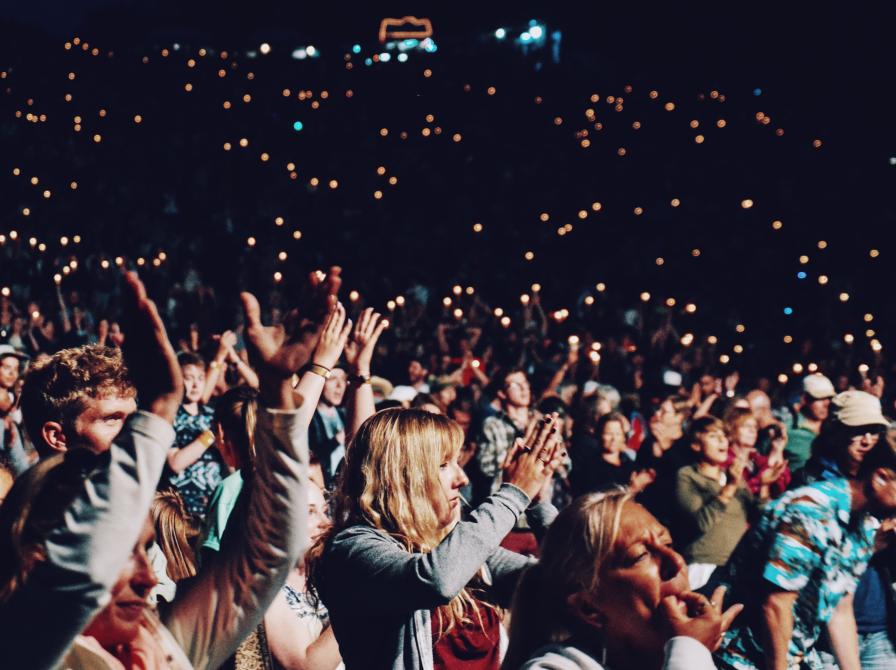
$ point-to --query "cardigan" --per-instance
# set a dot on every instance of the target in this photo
(380, 595)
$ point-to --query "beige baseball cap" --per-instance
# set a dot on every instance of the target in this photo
(818, 386)
(858, 408)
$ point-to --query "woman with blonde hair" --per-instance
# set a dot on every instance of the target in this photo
(610, 592)
(404, 578)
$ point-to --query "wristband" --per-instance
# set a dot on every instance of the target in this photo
(206, 439)
(214, 365)
(359, 380)
(319, 370)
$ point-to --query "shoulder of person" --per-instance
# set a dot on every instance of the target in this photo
(360, 535)
(561, 657)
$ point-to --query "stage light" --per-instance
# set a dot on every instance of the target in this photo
(299, 54)
(385, 57)
(311, 50)
(356, 48)
(265, 48)
(788, 311)
(536, 32)
(402, 58)
(800, 275)
(500, 33)
(526, 37)
(297, 126)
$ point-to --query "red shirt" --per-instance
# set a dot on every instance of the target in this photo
(468, 645)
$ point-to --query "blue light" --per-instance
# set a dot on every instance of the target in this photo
(429, 45)
(297, 126)
(801, 275)
(757, 92)
(536, 32)
(500, 33)
(788, 311)
(356, 48)
(385, 57)
(402, 58)
(410, 43)
(526, 37)
(368, 61)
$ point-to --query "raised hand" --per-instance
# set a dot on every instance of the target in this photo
(530, 462)
(693, 615)
(149, 356)
(738, 466)
(332, 338)
(641, 479)
(359, 349)
(274, 357)
(772, 473)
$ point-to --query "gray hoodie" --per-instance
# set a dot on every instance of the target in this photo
(380, 596)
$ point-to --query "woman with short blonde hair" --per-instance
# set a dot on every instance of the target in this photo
(408, 584)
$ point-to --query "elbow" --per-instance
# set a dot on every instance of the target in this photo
(444, 592)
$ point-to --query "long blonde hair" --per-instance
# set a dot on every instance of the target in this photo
(390, 482)
(573, 552)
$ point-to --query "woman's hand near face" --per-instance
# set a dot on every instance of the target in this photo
(693, 615)
(641, 479)
(738, 466)
(772, 473)
(532, 460)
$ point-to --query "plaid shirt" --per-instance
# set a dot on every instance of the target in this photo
(498, 434)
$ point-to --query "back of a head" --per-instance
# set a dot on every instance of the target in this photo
(236, 412)
(55, 389)
(578, 543)
(176, 533)
(35, 506)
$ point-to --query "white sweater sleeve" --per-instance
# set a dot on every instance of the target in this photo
(85, 554)
(686, 653)
(214, 613)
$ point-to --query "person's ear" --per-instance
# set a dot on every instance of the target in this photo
(696, 446)
(54, 436)
(584, 609)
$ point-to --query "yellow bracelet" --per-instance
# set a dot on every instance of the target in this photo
(319, 370)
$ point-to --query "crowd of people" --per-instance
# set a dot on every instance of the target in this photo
(539, 436)
(267, 497)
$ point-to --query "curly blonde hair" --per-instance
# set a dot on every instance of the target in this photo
(55, 389)
(390, 481)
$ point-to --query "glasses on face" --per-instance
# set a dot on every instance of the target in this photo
(870, 435)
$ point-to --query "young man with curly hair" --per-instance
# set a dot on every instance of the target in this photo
(79, 397)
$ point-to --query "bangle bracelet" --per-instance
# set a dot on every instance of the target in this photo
(214, 365)
(207, 439)
(319, 370)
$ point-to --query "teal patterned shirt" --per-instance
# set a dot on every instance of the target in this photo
(805, 541)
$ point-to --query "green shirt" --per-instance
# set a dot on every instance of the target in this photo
(219, 508)
(715, 528)
(799, 444)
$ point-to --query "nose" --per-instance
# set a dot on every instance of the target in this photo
(460, 477)
(671, 562)
(144, 578)
(867, 439)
